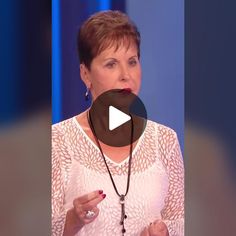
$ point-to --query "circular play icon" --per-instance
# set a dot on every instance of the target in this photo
(117, 117)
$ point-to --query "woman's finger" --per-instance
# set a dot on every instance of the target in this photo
(145, 232)
(89, 220)
(88, 197)
(93, 203)
(152, 230)
(158, 228)
(87, 202)
(160, 225)
(80, 208)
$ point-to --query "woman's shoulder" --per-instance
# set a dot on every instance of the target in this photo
(160, 129)
(64, 127)
(165, 136)
(68, 131)
(62, 124)
(69, 125)
(167, 140)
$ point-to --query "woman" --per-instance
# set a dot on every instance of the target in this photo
(90, 192)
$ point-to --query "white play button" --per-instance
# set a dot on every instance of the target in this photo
(117, 118)
(123, 115)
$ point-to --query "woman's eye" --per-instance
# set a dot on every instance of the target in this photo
(110, 64)
(133, 62)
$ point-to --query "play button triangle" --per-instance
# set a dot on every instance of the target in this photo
(117, 118)
(122, 115)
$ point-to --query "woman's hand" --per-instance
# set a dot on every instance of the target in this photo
(157, 228)
(76, 217)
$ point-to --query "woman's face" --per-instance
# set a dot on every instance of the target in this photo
(114, 69)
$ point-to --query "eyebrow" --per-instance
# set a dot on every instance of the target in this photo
(135, 56)
(112, 58)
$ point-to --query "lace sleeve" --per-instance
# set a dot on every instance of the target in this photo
(59, 153)
(173, 211)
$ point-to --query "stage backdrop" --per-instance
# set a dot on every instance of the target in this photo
(161, 24)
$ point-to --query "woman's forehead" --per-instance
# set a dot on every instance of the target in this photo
(116, 49)
(115, 42)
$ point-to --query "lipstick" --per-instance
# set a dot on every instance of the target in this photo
(125, 90)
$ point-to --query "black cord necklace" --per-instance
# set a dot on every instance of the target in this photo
(121, 196)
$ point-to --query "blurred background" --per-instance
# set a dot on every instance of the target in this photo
(161, 24)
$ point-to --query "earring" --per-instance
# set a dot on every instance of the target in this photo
(87, 95)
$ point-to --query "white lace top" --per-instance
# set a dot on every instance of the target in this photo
(156, 186)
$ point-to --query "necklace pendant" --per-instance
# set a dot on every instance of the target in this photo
(123, 215)
(122, 199)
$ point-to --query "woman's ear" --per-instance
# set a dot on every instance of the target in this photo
(84, 74)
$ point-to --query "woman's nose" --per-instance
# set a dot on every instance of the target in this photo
(125, 73)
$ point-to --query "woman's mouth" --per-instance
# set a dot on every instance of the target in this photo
(125, 90)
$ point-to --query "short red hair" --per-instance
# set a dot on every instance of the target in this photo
(103, 30)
